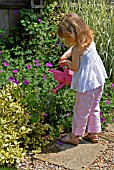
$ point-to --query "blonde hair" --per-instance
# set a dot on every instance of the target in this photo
(73, 26)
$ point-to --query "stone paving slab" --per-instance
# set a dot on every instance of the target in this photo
(74, 157)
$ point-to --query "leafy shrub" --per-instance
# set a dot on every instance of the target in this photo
(13, 128)
(21, 130)
(107, 104)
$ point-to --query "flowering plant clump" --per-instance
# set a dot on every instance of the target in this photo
(107, 104)
(24, 64)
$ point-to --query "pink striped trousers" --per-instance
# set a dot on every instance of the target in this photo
(87, 112)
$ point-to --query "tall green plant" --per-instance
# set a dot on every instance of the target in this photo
(99, 16)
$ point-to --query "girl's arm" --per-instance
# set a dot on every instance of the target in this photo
(67, 54)
(74, 64)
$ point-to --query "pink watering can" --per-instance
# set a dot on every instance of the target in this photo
(63, 76)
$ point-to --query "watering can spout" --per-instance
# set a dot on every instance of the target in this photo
(50, 71)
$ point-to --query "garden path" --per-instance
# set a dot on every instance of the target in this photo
(76, 157)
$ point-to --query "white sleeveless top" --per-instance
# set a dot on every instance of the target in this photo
(91, 73)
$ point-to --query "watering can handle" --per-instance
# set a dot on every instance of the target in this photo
(67, 67)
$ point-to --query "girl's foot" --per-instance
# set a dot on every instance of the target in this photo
(69, 138)
(93, 137)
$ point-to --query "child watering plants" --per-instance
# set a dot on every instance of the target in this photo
(88, 78)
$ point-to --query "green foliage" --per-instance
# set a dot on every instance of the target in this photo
(13, 128)
(48, 2)
(7, 168)
(22, 126)
(107, 104)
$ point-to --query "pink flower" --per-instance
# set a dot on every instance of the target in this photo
(39, 20)
(6, 63)
(106, 94)
(107, 101)
(62, 46)
(11, 79)
(0, 52)
(57, 42)
(46, 115)
(49, 65)
(16, 81)
(112, 85)
(36, 61)
(37, 64)
(102, 119)
(44, 77)
(67, 114)
(101, 113)
(28, 66)
(14, 71)
(26, 82)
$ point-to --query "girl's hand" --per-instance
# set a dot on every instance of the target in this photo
(66, 55)
(63, 62)
(62, 58)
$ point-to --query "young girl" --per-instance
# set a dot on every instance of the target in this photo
(88, 78)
